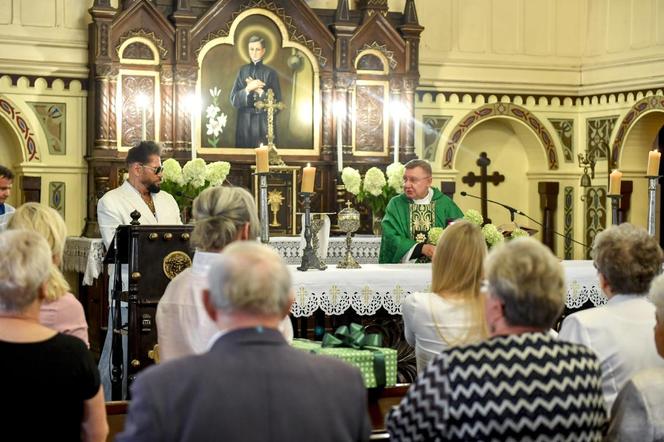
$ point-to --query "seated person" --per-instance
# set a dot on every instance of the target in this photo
(638, 412)
(409, 216)
(60, 311)
(251, 385)
(453, 314)
(6, 182)
(627, 259)
(51, 388)
(222, 215)
(521, 383)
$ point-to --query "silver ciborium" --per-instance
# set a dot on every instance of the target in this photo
(348, 220)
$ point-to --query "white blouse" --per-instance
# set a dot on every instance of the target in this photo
(433, 323)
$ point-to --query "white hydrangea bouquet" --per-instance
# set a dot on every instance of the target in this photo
(492, 235)
(185, 183)
(377, 188)
(216, 119)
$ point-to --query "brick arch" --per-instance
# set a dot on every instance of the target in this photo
(14, 117)
(500, 110)
(640, 108)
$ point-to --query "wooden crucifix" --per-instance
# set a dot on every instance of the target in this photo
(484, 178)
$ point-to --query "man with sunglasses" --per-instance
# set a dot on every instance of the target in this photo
(140, 191)
(410, 215)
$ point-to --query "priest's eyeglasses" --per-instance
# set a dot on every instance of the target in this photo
(157, 170)
(414, 180)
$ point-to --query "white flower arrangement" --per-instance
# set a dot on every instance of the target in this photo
(185, 183)
(394, 174)
(351, 179)
(374, 181)
(216, 119)
(375, 188)
(473, 216)
(492, 235)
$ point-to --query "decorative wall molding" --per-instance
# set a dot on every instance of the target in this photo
(473, 97)
(568, 221)
(73, 84)
(565, 129)
(648, 104)
(13, 114)
(500, 110)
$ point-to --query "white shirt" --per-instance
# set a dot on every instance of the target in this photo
(621, 333)
(433, 323)
(183, 325)
(4, 218)
(115, 207)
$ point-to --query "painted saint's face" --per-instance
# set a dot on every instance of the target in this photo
(256, 51)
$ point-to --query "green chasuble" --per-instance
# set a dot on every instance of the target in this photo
(397, 238)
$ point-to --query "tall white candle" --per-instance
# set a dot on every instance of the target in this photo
(144, 128)
(340, 114)
(193, 135)
(396, 137)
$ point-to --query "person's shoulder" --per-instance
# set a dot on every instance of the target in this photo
(112, 193)
(69, 344)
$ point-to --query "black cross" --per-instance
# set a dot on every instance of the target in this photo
(483, 161)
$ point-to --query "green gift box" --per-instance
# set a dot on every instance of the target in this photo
(366, 359)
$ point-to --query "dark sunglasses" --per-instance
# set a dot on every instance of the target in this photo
(157, 170)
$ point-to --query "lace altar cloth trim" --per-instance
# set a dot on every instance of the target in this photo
(377, 286)
(83, 255)
(365, 249)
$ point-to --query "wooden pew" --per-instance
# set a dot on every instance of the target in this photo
(381, 400)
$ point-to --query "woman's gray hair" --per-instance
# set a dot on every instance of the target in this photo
(529, 280)
(252, 278)
(656, 295)
(25, 263)
(219, 214)
(627, 257)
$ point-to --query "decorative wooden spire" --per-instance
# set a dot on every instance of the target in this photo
(343, 11)
(410, 13)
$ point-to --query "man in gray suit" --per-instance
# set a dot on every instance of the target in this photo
(251, 385)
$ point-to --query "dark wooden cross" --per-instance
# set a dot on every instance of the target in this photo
(483, 161)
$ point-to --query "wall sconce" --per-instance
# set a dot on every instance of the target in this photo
(587, 161)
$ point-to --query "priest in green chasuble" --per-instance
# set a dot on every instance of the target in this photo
(410, 215)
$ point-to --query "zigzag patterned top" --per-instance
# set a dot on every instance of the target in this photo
(516, 387)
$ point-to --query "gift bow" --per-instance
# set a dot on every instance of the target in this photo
(351, 336)
(354, 336)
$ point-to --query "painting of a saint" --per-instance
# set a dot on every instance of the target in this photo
(238, 70)
(251, 85)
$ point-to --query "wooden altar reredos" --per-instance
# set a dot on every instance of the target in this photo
(363, 60)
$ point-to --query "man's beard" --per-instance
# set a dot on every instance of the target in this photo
(154, 188)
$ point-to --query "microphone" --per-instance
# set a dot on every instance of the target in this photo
(513, 211)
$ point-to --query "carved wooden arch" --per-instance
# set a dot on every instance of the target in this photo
(21, 128)
(301, 24)
(377, 34)
(640, 108)
(145, 21)
(144, 38)
(506, 110)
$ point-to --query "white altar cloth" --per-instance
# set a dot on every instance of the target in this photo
(376, 286)
(83, 255)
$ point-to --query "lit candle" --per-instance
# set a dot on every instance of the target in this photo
(614, 183)
(653, 163)
(262, 160)
(396, 137)
(308, 176)
(339, 111)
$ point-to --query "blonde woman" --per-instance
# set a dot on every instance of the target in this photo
(222, 215)
(60, 311)
(50, 384)
(453, 313)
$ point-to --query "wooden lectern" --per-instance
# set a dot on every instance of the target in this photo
(154, 254)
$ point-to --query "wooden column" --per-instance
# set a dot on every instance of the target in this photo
(548, 192)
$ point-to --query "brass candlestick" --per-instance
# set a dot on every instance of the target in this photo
(262, 197)
(652, 203)
(349, 222)
(309, 258)
(615, 204)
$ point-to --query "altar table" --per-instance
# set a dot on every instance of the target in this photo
(376, 286)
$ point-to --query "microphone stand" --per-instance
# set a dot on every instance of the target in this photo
(514, 212)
